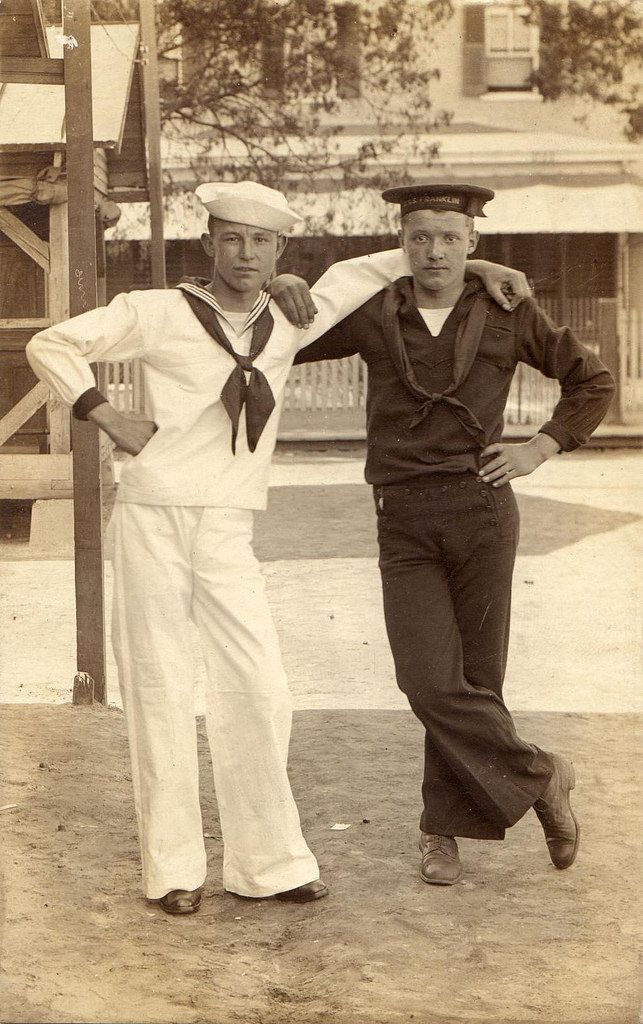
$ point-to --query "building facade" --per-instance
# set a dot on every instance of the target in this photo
(568, 207)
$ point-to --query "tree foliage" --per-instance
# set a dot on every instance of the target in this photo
(593, 50)
(262, 80)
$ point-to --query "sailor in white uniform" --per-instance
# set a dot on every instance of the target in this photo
(215, 359)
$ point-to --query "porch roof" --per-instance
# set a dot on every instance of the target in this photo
(527, 209)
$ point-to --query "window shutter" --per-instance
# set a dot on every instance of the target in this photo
(348, 50)
(474, 61)
(272, 59)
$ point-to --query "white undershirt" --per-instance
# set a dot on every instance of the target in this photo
(435, 318)
(239, 337)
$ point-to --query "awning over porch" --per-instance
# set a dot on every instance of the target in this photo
(561, 209)
(539, 208)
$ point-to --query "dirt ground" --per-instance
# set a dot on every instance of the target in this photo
(514, 941)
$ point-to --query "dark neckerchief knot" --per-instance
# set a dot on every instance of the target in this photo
(254, 392)
(399, 300)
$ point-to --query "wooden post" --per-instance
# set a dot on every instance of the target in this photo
(152, 116)
(88, 540)
(610, 353)
(58, 310)
(563, 282)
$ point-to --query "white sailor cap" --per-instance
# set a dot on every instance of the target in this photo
(248, 202)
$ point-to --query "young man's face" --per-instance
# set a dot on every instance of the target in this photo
(244, 256)
(437, 243)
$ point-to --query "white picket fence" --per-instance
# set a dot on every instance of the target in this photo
(330, 396)
(632, 328)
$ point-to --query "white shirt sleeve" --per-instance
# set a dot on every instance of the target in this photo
(60, 355)
(348, 285)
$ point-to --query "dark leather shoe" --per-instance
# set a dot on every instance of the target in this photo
(304, 893)
(181, 901)
(440, 859)
(562, 831)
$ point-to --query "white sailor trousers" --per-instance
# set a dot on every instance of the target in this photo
(173, 564)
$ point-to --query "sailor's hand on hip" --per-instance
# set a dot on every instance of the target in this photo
(507, 461)
(292, 295)
(129, 434)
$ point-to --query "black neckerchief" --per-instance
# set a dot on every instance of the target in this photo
(472, 307)
(255, 393)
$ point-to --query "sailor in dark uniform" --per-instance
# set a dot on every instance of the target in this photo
(441, 358)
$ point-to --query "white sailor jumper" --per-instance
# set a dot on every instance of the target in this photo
(182, 550)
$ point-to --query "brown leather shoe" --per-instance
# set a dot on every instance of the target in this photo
(304, 893)
(440, 859)
(562, 831)
(181, 901)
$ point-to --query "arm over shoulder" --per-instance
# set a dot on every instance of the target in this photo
(348, 285)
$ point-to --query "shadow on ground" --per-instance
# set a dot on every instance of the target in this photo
(515, 941)
(338, 521)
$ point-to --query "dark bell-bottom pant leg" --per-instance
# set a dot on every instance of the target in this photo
(446, 562)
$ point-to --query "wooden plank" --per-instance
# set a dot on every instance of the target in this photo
(58, 282)
(18, 36)
(127, 387)
(610, 354)
(31, 70)
(129, 176)
(16, 9)
(138, 399)
(127, 167)
(11, 341)
(101, 172)
(152, 117)
(32, 324)
(128, 195)
(39, 22)
(101, 260)
(58, 303)
(88, 539)
(59, 426)
(23, 164)
(24, 238)
(35, 476)
(58, 296)
(24, 410)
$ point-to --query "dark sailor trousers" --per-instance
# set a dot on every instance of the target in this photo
(447, 552)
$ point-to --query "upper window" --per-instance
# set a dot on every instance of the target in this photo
(500, 49)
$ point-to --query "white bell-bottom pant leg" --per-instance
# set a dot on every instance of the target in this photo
(170, 562)
(150, 635)
(249, 711)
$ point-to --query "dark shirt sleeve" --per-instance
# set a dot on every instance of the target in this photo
(87, 401)
(586, 385)
(337, 343)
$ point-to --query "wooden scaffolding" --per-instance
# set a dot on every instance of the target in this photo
(79, 133)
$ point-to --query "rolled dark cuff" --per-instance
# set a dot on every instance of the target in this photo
(567, 441)
(87, 401)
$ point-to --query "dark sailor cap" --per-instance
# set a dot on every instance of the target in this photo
(467, 199)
